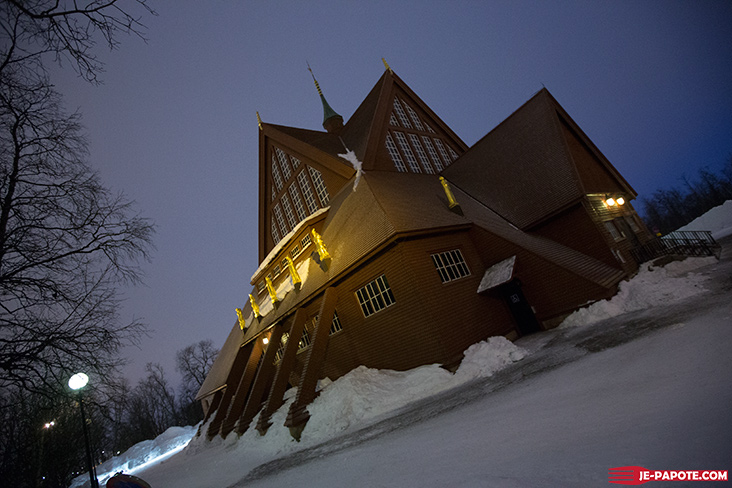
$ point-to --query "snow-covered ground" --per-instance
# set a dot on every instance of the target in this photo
(647, 385)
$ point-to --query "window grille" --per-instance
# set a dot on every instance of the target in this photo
(393, 120)
(443, 152)
(260, 286)
(273, 229)
(304, 340)
(414, 116)
(400, 112)
(277, 271)
(450, 265)
(432, 153)
(335, 326)
(421, 154)
(307, 192)
(429, 129)
(404, 145)
(280, 219)
(295, 251)
(317, 177)
(394, 153)
(288, 211)
(453, 154)
(305, 241)
(297, 201)
(276, 174)
(375, 296)
(284, 163)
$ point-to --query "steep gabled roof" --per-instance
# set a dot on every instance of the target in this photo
(523, 168)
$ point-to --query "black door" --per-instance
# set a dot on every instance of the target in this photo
(519, 307)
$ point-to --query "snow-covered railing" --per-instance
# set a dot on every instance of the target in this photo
(683, 243)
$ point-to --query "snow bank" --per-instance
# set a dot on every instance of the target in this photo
(651, 287)
(717, 220)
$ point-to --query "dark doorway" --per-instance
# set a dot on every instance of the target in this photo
(519, 307)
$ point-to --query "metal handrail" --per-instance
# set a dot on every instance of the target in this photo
(683, 243)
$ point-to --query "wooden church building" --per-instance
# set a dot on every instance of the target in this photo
(386, 241)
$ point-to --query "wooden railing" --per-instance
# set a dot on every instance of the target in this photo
(682, 243)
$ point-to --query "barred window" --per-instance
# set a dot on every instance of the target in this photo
(281, 349)
(335, 326)
(317, 177)
(443, 152)
(408, 152)
(394, 153)
(393, 120)
(304, 340)
(433, 154)
(400, 112)
(450, 265)
(429, 129)
(453, 154)
(276, 174)
(375, 296)
(305, 241)
(280, 219)
(288, 211)
(295, 162)
(284, 163)
(297, 201)
(307, 192)
(273, 229)
(274, 193)
(277, 271)
(295, 251)
(414, 116)
(422, 155)
(261, 286)
(610, 226)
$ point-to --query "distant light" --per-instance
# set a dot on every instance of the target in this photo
(610, 202)
(621, 201)
(79, 380)
(50, 424)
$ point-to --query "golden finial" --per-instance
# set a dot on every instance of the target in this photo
(386, 65)
(255, 307)
(317, 85)
(259, 121)
(240, 316)
(296, 281)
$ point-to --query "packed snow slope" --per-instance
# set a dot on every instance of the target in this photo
(641, 379)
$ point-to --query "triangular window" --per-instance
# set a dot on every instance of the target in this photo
(402, 115)
(414, 116)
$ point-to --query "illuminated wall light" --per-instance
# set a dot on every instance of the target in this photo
(620, 201)
(610, 202)
(265, 340)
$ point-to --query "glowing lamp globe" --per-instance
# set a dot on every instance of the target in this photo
(78, 381)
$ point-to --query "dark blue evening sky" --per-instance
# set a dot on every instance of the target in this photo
(174, 124)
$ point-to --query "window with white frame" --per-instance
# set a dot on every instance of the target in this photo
(320, 188)
(280, 219)
(273, 229)
(421, 154)
(443, 152)
(284, 163)
(276, 174)
(394, 153)
(297, 201)
(304, 340)
(450, 265)
(610, 226)
(307, 192)
(305, 241)
(277, 271)
(402, 115)
(288, 211)
(433, 154)
(375, 296)
(335, 326)
(404, 145)
(295, 251)
(414, 116)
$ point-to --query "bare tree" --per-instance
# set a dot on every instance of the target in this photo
(193, 363)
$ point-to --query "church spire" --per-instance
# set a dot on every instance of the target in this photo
(332, 121)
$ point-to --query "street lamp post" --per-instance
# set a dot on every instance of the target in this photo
(76, 383)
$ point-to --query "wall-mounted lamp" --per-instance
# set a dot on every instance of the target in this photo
(613, 201)
(265, 340)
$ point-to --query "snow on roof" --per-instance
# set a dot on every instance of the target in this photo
(497, 274)
(285, 240)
